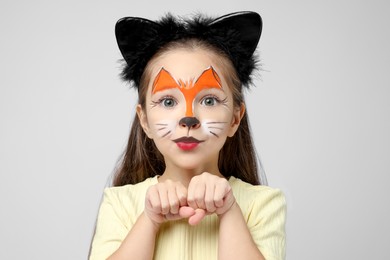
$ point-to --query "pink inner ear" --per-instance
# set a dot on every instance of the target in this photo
(208, 79)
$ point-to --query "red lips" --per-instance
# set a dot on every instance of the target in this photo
(187, 143)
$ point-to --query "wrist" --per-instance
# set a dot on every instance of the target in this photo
(155, 226)
(229, 211)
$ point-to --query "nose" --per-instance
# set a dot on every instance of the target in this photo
(190, 122)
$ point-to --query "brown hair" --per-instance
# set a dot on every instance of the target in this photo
(142, 159)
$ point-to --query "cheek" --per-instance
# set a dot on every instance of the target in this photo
(162, 122)
(216, 122)
(219, 114)
(164, 127)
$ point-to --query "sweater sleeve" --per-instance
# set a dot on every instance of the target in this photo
(119, 210)
(110, 229)
(266, 223)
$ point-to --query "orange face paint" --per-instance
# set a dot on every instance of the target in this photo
(207, 80)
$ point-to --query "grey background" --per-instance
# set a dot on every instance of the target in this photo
(320, 114)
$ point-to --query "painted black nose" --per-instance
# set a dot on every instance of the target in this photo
(190, 122)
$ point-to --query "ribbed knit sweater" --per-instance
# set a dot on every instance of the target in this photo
(263, 208)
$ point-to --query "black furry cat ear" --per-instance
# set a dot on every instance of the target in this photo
(247, 27)
(132, 32)
(133, 35)
(238, 35)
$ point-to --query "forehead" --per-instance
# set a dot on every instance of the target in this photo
(185, 64)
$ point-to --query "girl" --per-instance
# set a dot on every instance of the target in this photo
(187, 186)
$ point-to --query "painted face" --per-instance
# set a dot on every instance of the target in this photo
(190, 108)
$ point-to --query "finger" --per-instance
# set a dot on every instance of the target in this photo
(181, 193)
(153, 200)
(228, 202)
(173, 200)
(191, 193)
(196, 192)
(197, 217)
(164, 201)
(209, 198)
(199, 195)
(171, 216)
(153, 206)
(186, 212)
(221, 189)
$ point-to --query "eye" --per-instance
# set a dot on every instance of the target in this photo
(209, 101)
(167, 102)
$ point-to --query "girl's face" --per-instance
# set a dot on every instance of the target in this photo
(189, 109)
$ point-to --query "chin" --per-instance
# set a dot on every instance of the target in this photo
(191, 164)
(188, 162)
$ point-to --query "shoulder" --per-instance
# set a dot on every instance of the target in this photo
(243, 188)
(130, 188)
(128, 197)
(144, 185)
(257, 197)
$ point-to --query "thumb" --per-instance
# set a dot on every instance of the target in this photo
(186, 212)
(196, 218)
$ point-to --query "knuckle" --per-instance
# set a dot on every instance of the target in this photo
(199, 198)
(223, 181)
(156, 207)
(174, 204)
(190, 199)
(159, 186)
(219, 203)
(182, 198)
(195, 179)
(209, 202)
(164, 209)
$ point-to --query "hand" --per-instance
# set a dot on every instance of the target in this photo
(167, 201)
(207, 194)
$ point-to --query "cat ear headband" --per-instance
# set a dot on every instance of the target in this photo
(236, 34)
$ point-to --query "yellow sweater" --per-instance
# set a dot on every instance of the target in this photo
(263, 208)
